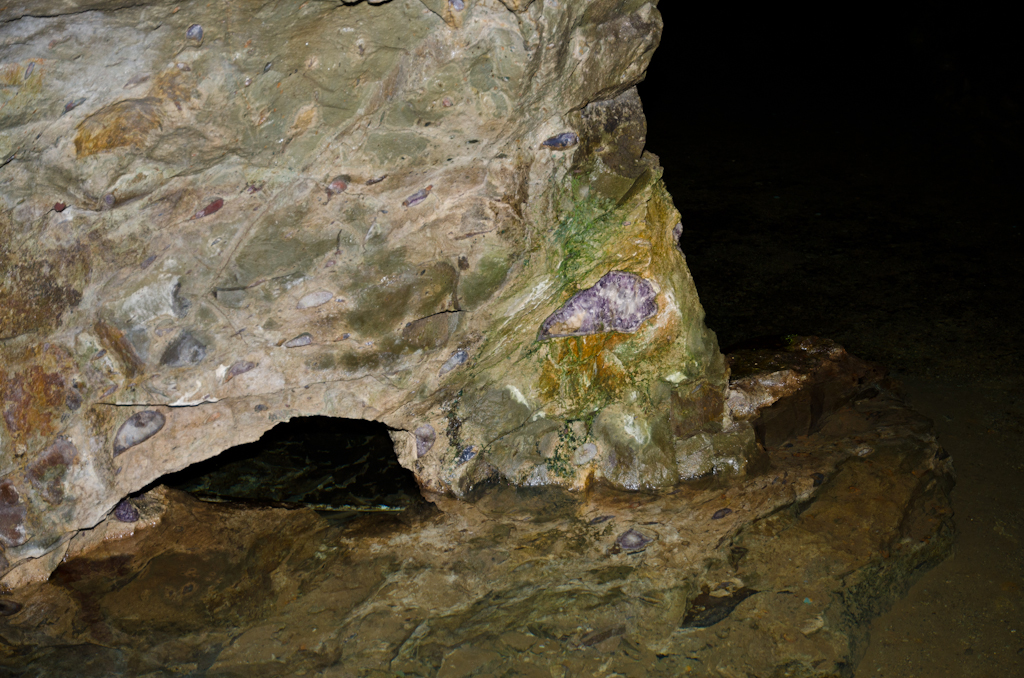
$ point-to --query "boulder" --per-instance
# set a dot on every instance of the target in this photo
(438, 215)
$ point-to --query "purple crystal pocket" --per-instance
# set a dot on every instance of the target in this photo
(618, 302)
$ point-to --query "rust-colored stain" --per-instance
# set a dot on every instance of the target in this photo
(36, 292)
(126, 123)
(114, 341)
(47, 472)
(173, 85)
(11, 75)
(583, 370)
(12, 515)
(30, 398)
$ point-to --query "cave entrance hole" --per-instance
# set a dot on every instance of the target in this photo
(338, 467)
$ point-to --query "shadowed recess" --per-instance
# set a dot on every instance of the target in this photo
(329, 464)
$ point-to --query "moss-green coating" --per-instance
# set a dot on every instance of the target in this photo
(390, 147)
(582, 235)
(479, 285)
(276, 248)
(387, 289)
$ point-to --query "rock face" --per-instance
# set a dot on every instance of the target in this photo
(766, 574)
(217, 217)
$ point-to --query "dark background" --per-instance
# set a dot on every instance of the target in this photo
(859, 177)
(851, 175)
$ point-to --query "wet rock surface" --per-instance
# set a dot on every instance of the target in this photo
(740, 574)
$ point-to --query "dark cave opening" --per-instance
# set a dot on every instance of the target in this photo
(332, 465)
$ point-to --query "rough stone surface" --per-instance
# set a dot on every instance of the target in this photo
(230, 215)
(773, 572)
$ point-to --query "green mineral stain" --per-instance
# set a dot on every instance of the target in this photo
(389, 147)
(270, 251)
(561, 463)
(387, 289)
(582, 236)
(407, 114)
(645, 179)
(205, 316)
(324, 361)
(379, 309)
(478, 286)
(480, 74)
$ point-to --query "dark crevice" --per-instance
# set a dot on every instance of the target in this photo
(332, 465)
(87, 10)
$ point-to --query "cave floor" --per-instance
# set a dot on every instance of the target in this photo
(725, 576)
(899, 239)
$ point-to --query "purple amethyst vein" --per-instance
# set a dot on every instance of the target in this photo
(618, 302)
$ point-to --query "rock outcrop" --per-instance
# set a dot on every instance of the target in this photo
(770, 573)
(439, 215)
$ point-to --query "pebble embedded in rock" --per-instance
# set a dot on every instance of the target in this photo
(560, 142)
(584, 454)
(417, 197)
(304, 339)
(425, 437)
(618, 302)
(338, 185)
(467, 453)
(632, 540)
(314, 299)
(458, 358)
(126, 512)
(184, 351)
(194, 33)
(138, 428)
(73, 104)
(238, 367)
(209, 209)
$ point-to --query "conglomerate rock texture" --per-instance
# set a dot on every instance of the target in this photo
(772, 573)
(215, 217)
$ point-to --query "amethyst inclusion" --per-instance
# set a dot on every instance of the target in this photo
(618, 302)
